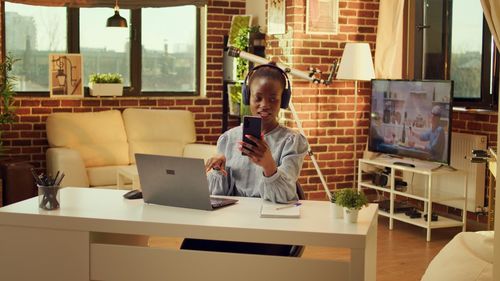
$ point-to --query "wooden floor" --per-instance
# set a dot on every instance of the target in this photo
(402, 254)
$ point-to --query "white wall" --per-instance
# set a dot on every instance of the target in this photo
(257, 8)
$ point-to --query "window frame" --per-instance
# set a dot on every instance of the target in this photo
(135, 27)
(487, 100)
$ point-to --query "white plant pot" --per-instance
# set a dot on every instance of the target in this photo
(337, 211)
(106, 89)
(350, 215)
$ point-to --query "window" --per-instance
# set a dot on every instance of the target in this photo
(155, 55)
(31, 33)
(168, 52)
(452, 41)
(104, 49)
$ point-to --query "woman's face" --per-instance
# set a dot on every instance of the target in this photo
(265, 100)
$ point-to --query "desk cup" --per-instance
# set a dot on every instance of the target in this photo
(48, 197)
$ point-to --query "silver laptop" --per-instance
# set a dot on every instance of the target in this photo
(177, 182)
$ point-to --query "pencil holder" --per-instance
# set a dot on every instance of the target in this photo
(48, 197)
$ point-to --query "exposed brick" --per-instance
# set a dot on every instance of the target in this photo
(129, 102)
(91, 103)
(110, 103)
(147, 102)
(41, 110)
(62, 109)
(71, 103)
(30, 102)
(166, 102)
(51, 103)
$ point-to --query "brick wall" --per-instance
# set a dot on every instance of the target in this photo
(483, 123)
(327, 112)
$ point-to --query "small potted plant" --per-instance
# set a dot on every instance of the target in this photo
(337, 210)
(106, 84)
(352, 201)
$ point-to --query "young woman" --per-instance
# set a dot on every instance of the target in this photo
(269, 169)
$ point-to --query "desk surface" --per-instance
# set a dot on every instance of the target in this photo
(103, 210)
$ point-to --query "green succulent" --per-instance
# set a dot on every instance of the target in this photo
(351, 199)
(113, 78)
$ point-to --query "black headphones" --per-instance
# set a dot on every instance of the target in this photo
(285, 96)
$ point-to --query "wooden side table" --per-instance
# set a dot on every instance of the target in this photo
(17, 181)
(125, 175)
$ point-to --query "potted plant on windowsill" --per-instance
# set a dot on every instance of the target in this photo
(106, 84)
(352, 201)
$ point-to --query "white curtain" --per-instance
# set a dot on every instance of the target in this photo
(389, 46)
(491, 10)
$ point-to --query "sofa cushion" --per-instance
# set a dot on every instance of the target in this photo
(103, 176)
(162, 132)
(99, 136)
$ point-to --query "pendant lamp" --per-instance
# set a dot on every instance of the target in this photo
(116, 20)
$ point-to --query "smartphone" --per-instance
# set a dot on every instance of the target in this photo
(252, 125)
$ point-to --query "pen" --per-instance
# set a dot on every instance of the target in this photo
(289, 206)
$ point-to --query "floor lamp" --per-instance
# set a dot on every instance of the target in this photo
(357, 65)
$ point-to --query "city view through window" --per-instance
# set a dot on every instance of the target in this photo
(169, 40)
(466, 49)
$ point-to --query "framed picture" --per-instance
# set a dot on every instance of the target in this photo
(276, 17)
(238, 22)
(322, 17)
(65, 75)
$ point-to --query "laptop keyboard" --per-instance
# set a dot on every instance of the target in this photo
(221, 202)
(216, 203)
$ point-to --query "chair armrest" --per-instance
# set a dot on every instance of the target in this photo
(71, 163)
(198, 150)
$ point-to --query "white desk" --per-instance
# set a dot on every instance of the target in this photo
(61, 245)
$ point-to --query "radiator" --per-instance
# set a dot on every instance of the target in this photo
(461, 153)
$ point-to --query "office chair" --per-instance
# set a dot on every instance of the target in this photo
(246, 247)
(297, 250)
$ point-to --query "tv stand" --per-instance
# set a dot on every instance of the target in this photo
(445, 166)
(404, 164)
(425, 191)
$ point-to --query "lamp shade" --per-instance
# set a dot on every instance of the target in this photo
(116, 20)
(356, 63)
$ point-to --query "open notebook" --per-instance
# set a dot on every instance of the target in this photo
(274, 210)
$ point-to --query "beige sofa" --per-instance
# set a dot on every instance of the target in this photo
(90, 147)
(468, 256)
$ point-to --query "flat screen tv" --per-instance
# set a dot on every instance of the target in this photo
(411, 119)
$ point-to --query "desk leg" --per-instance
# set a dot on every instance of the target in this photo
(364, 261)
(44, 254)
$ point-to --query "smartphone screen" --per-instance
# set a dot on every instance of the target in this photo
(251, 126)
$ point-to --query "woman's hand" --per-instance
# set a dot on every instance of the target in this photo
(218, 162)
(260, 154)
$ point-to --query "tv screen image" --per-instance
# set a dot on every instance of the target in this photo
(411, 119)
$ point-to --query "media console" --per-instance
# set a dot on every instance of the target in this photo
(428, 194)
